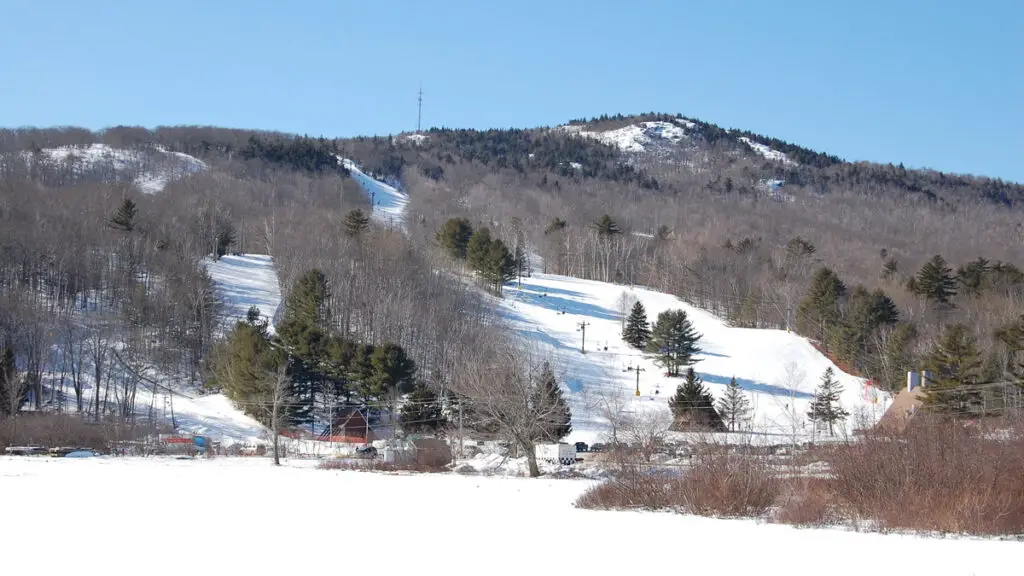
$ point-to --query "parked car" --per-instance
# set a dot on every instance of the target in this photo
(598, 447)
(367, 452)
(581, 447)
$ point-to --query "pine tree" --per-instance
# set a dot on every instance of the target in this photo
(124, 218)
(935, 282)
(422, 411)
(454, 237)
(499, 266)
(555, 418)
(12, 388)
(956, 367)
(393, 371)
(693, 406)
(734, 405)
(637, 332)
(674, 341)
(825, 406)
(355, 223)
(818, 312)
(240, 365)
(477, 249)
(606, 227)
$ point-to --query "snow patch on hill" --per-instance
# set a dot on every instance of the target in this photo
(767, 152)
(150, 168)
(636, 137)
(778, 370)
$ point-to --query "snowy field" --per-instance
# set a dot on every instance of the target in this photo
(547, 310)
(229, 516)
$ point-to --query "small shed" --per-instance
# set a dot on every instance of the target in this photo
(352, 426)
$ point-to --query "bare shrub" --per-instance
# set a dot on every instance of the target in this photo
(379, 466)
(721, 481)
(806, 502)
(59, 430)
(936, 476)
(729, 481)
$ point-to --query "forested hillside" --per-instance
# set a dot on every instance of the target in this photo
(886, 268)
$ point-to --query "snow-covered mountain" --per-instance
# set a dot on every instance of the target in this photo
(150, 167)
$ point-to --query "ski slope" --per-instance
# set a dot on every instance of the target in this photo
(388, 202)
(243, 281)
(778, 370)
(225, 515)
(149, 168)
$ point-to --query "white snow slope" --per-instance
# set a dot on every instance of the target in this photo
(759, 359)
(767, 152)
(388, 202)
(148, 168)
(636, 137)
(220, 516)
(245, 281)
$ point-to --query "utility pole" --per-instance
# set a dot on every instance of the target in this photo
(638, 370)
(582, 327)
(419, 112)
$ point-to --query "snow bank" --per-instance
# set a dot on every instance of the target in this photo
(223, 515)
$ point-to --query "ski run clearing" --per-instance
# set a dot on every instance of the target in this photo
(388, 202)
(224, 516)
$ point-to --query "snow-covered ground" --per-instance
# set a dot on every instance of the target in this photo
(149, 168)
(636, 137)
(778, 370)
(245, 281)
(231, 516)
(388, 202)
(767, 152)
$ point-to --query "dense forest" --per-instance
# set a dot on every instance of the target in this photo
(885, 268)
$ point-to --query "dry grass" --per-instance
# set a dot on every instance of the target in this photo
(937, 476)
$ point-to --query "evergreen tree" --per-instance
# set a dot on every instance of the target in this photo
(818, 312)
(355, 223)
(550, 405)
(956, 368)
(454, 237)
(499, 266)
(421, 412)
(241, 366)
(674, 341)
(478, 249)
(972, 277)
(303, 334)
(12, 389)
(825, 406)
(637, 331)
(935, 282)
(606, 227)
(393, 371)
(226, 236)
(124, 218)
(693, 406)
(734, 405)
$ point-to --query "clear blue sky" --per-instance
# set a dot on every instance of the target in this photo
(936, 84)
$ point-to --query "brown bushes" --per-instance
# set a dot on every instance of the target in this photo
(937, 476)
(53, 430)
(718, 482)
